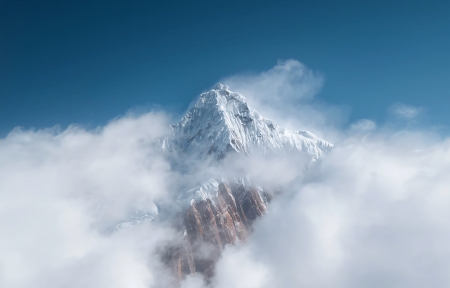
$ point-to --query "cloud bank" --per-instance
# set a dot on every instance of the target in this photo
(372, 213)
(61, 190)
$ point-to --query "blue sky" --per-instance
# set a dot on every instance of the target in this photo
(86, 62)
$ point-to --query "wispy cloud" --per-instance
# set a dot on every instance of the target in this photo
(289, 81)
(363, 125)
(404, 111)
(286, 94)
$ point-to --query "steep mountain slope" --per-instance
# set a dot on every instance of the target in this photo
(219, 211)
(221, 122)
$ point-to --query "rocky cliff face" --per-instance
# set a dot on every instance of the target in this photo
(210, 225)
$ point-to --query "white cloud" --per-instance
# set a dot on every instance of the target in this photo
(286, 94)
(373, 213)
(59, 191)
(404, 111)
(287, 82)
(363, 125)
(240, 269)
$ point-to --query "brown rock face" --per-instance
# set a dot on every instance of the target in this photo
(210, 225)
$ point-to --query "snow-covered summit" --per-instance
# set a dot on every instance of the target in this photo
(221, 122)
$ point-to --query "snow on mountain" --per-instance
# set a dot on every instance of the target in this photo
(221, 122)
(206, 190)
(135, 218)
(216, 207)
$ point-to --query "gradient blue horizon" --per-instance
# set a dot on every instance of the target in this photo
(87, 62)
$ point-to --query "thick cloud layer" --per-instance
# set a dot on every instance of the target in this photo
(60, 191)
(373, 213)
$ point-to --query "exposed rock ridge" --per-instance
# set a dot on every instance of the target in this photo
(211, 225)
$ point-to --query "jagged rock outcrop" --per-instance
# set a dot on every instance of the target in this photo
(211, 225)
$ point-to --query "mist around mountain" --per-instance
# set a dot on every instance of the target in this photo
(96, 208)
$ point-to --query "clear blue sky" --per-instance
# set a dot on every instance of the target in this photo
(86, 62)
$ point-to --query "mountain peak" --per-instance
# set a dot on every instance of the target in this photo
(220, 97)
(219, 87)
(221, 122)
